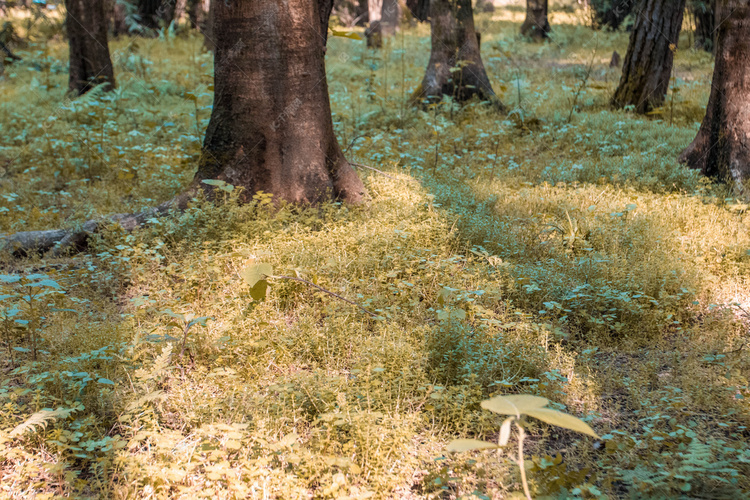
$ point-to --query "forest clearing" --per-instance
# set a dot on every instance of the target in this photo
(254, 337)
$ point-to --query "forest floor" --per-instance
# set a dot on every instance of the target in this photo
(559, 250)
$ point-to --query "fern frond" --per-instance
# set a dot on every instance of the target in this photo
(41, 419)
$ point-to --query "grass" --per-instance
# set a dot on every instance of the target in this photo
(573, 260)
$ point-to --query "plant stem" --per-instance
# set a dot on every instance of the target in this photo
(310, 283)
(521, 436)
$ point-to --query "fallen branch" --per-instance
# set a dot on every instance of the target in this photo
(57, 242)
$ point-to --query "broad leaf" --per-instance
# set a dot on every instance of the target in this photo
(257, 272)
(559, 419)
(255, 276)
(459, 445)
(514, 405)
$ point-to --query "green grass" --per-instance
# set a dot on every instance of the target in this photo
(574, 259)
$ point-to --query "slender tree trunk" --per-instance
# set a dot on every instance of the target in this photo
(90, 63)
(455, 67)
(722, 148)
(610, 13)
(704, 14)
(119, 17)
(197, 11)
(208, 27)
(390, 16)
(648, 62)
(271, 128)
(536, 25)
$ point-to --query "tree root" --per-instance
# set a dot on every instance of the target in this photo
(59, 242)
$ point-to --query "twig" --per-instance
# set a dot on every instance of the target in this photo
(310, 283)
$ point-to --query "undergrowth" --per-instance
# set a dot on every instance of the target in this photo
(518, 254)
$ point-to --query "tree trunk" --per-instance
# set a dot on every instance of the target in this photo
(390, 16)
(420, 9)
(721, 148)
(119, 17)
(271, 128)
(536, 25)
(610, 13)
(705, 20)
(648, 62)
(197, 11)
(90, 64)
(455, 67)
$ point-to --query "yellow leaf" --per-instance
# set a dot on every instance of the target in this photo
(559, 419)
(514, 405)
(460, 445)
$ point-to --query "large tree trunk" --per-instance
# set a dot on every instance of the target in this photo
(705, 21)
(536, 25)
(610, 13)
(455, 67)
(271, 128)
(90, 64)
(648, 63)
(390, 16)
(721, 148)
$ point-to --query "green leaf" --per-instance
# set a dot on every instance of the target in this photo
(7, 278)
(559, 419)
(514, 405)
(257, 272)
(459, 445)
(105, 381)
(255, 276)
(49, 283)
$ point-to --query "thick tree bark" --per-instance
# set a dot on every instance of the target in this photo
(455, 67)
(536, 26)
(648, 62)
(271, 128)
(90, 63)
(610, 13)
(705, 21)
(390, 16)
(721, 148)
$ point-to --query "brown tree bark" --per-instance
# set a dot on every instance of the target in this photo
(722, 149)
(648, 62)
(455, 67)
(704, 13)
(90, 63)
(271, 128)
(536, 26)
(197, 11)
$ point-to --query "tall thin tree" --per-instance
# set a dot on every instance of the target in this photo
(536, 26)
(721, 148)
(648, 62)
(90, 63)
